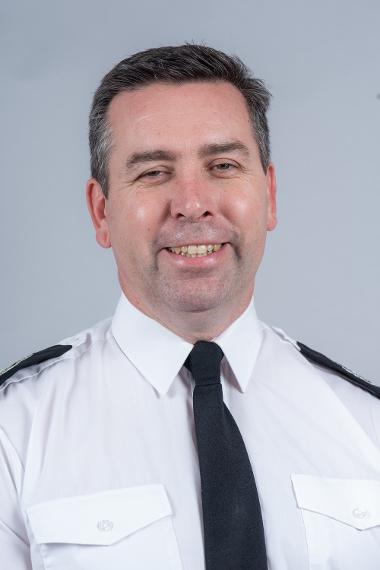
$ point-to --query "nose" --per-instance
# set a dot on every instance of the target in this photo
(193, 199)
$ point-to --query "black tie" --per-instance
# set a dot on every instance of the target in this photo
(233, 527)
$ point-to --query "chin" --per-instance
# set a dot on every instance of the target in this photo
(198, 299)
(192, 306)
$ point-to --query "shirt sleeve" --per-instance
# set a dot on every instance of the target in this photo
(14, 544)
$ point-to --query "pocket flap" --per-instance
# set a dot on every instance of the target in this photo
(355, 502)
(102, 518)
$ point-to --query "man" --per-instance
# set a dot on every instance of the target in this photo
(117, 450)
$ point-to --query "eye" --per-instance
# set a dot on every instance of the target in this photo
(155, 175)
(151, 174)
(224, 167)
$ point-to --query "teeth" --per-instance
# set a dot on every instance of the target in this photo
(195, 250)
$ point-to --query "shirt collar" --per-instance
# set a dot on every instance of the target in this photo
(159, 354)
(241, 343)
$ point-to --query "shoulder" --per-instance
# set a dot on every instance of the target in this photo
(352, 377)
(325, 363)
(36, 358)
(42, 383)
(48, 360)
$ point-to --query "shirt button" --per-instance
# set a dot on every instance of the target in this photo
(359, 514)
(105, 525)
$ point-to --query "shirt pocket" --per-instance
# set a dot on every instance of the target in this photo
(122, 528)
(342, 521)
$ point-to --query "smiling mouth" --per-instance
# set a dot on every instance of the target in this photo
(195, 250)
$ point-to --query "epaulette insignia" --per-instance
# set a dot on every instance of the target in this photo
(347, 374)
(35, 358)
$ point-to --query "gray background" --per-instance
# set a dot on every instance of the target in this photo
(320, 278)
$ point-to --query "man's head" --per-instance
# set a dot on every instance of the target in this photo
(183, 161)
(174, 65)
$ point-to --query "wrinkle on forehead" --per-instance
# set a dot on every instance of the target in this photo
(143, 118)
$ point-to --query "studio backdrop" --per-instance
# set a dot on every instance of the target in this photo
(321, 61)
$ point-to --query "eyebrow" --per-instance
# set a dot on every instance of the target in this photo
(149, 156)
(228, 146)
(205, 151)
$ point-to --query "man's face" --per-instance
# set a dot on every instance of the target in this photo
(184, 171)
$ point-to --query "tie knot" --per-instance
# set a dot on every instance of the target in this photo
(204, 362)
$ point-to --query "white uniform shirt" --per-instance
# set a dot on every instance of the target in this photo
(98, 459)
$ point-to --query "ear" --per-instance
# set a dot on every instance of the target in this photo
(271, 194)
(96, 203)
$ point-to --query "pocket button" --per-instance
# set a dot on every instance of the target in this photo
(105, 525)
(360, 514)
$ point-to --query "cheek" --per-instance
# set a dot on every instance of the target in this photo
(247, 210)
(133, 224)
(143, 217)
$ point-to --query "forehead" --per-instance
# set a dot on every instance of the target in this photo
(180, 113)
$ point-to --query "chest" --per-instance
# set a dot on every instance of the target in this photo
(113, 480)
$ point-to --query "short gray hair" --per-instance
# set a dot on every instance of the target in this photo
(174, 64)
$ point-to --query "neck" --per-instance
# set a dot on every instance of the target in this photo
(194, 325)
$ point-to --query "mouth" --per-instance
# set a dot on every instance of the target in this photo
(193, 250)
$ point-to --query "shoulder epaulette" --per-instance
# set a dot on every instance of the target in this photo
(347, 374)
(35, 358)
